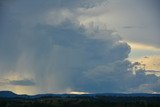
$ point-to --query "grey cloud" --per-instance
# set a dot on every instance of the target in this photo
(66, 51)
(72, 52)
(25, 82)
(128, 27)
(64, 56)
(117, 77)
(133, 27)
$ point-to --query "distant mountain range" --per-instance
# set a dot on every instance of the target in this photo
(9, 94)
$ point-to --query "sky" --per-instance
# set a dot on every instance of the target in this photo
(80, 46)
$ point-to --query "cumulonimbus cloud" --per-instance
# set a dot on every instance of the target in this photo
(67, 56)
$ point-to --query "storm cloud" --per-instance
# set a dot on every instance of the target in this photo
(65, 55)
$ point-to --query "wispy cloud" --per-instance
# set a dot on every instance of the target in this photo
(24, 82)
(138, 46)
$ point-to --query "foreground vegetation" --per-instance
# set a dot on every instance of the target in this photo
(82, 101)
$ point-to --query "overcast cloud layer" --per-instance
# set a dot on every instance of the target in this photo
(43, 45)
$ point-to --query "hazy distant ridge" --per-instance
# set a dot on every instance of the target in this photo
(9, 94)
